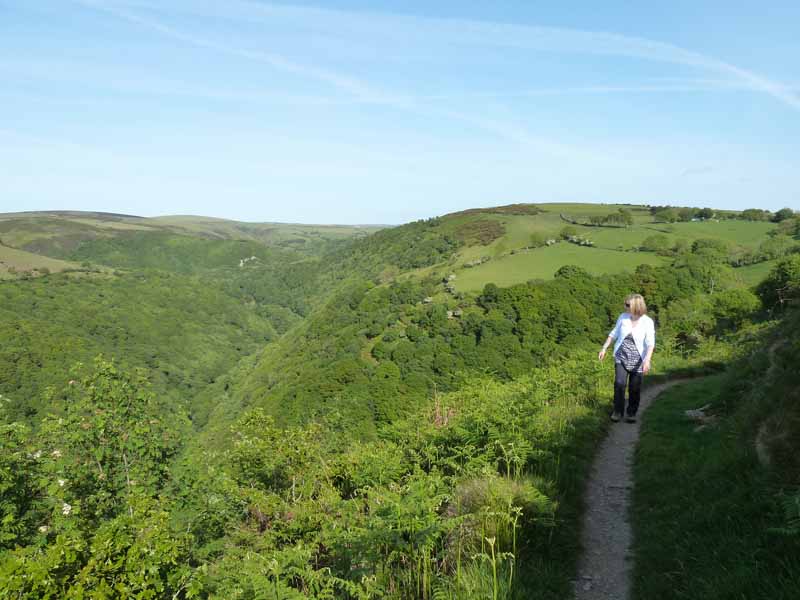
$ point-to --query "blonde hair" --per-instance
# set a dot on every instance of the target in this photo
(637, 307)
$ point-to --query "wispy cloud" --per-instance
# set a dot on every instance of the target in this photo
(274, 60)
(377, 30)
(699, 170)
(383, 28)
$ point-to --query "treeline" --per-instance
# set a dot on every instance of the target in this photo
(670, 214)
(622, 218)
(777, 245)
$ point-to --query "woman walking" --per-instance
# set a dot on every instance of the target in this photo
(634, 340)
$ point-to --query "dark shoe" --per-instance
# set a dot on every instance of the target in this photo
(615, 416)
(630, 419)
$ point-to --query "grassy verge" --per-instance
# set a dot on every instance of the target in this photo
(703, 509)
(548, 563)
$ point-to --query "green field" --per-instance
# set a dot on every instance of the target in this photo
(20, 261)
(754, 274)
(542, 263)
(505, 268)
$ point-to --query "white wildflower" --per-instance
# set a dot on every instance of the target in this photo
(66, 508)
(37, 455)
(61, 482)
(56, 453)
(44, 529)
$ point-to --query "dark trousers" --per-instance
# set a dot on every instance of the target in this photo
(633, 381)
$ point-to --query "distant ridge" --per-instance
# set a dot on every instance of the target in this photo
(72, 213)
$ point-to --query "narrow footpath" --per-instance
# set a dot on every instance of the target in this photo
(605, 566)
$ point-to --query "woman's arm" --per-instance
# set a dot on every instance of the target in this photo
(609, 341)
(612, 335)
(650, 339)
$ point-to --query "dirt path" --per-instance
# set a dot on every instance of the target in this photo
(604, 568)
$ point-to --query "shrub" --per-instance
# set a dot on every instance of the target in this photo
(568, 231)
(782, 215)
(537, 240)
(655, 243)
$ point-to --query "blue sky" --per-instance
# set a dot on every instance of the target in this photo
(384, 112)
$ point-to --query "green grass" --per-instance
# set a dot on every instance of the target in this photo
(542, 263)
(752, 275)
(702, 509)
(19, 260)
(506, 269)
(743, 233)
(641, 214)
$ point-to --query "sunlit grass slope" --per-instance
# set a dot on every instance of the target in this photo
(13, 261)
(753, 274)
(542, 263)
(498, 240)
(710, 536)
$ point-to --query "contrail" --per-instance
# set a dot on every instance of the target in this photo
(277, 61)
(383, 28)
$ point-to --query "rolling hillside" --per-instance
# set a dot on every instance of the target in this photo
(354, 416)
(59, 234)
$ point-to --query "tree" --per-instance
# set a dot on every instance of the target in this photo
(687, 214)
(666, 215)
(755, 214)
(597, 219)
(568, 231)
(537, 239)
(735, 306)
(101, 525)
(655, 243)
(776, 247)
(790, 227)
(782, 215)
(782, 284)
(112, 444)
(681, 246)
(19, 494)
(705, 213)
(714, 246)
(627, 216)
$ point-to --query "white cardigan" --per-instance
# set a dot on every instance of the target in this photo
(644, 334)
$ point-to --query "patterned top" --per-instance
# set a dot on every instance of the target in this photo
(628, 356)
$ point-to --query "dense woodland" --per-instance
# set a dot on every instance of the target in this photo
(180, 423)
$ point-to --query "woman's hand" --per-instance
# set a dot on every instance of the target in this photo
(646, 366)
(602, 354)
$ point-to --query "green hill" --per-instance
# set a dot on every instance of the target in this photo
(60, 233)
(342, 418)
(14, 262)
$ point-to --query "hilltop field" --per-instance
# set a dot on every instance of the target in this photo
(509, 245)
(201, 408)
